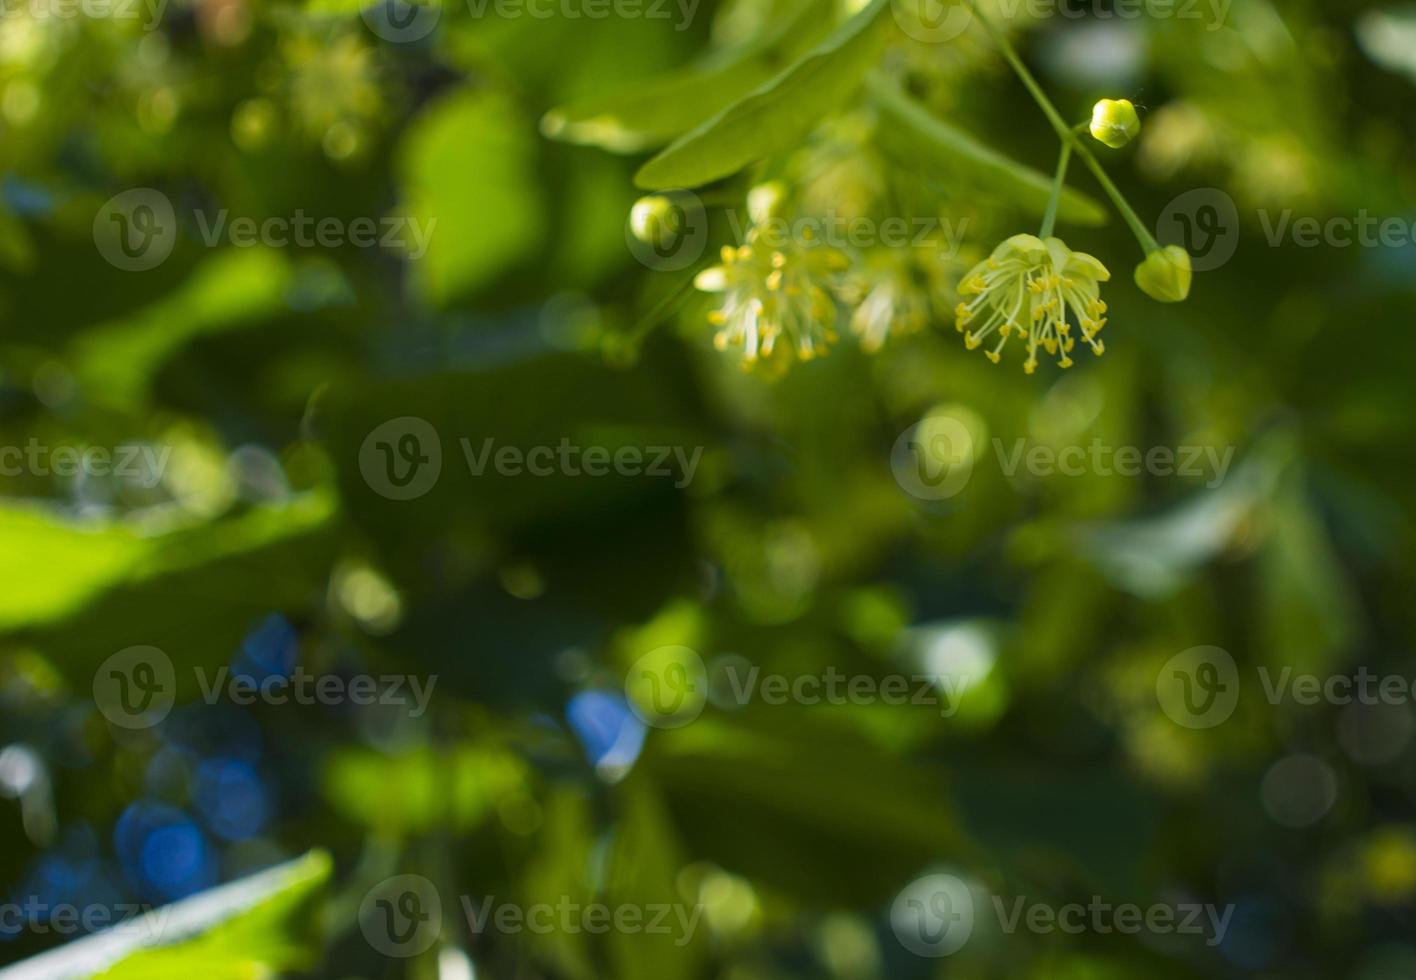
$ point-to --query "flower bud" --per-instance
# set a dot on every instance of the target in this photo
(765, 201)
(654, 219)
(1114, 122)
(1165, 274)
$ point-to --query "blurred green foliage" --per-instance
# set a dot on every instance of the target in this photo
(258, 374)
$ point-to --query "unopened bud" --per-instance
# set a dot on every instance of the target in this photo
(1114, 122)
(655, 219)
(1165, 274)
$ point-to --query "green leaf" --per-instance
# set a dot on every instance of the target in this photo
(468, 176)
(651, 112)
(776, 115)
(83, 560)
(423, 789)
(257, 926)
(556, 870)
(643, 865)
(834, 790)
(957, 151)
(115, 361)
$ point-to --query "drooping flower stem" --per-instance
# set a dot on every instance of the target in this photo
(1066, 133)
(1049, 217)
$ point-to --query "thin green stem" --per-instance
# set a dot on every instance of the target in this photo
(1049, 217)
(1066, 133)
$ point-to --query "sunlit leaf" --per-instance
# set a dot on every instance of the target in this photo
(253, 927)
(778, 114)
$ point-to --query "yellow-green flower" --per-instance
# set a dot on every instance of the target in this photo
(898, 291)
(1028, 286)
(776, 300)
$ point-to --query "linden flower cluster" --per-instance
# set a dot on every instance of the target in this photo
(1028, 286)
(775, 300)
(897, 292)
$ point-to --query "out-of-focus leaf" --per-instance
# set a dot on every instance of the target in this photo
(1308, 612)
(258, 926)
(83, 559)
(959, 152)
(467, 168)
(795, 787)
(644, 864)
(16, 249)
(557, 871)
(776, 115)
(420, 790)
(115, 361)
(1389, 38)
(1153, 557)
(653, 111)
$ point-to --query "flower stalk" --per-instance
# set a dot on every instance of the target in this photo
(1049, 217)
(1067, 134)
